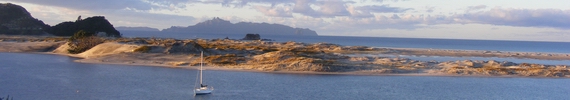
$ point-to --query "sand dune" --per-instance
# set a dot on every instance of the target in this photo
(292, 57)
(108, 48)
(100, 50)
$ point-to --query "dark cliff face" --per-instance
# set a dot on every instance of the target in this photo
(94, 24)
(12, 12)
(16, 20)
(220, 26)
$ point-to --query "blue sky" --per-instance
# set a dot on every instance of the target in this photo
(527, 20)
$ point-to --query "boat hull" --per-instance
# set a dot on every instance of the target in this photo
(203, 90)
(203, 93)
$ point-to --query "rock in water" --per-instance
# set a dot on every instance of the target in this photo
(252, 37)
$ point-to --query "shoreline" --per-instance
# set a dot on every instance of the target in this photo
(306, 72)
(298, 58)
(78, 60)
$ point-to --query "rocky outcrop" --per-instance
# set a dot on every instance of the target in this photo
(16, 20)
(96, 24)
(220, 26)
(184, 47)
(252, 37)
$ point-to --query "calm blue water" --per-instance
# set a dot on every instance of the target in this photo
(493, 45)
(40, 77)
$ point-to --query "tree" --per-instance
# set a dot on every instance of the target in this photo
(82, 41)
(92, 25)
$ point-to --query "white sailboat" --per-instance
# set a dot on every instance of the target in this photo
(203, 89)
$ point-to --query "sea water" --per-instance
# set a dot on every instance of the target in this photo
(41, 77)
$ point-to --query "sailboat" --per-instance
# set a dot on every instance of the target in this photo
(203, 89)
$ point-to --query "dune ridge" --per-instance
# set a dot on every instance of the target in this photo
(293, 57)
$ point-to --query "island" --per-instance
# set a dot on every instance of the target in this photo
(220, 26)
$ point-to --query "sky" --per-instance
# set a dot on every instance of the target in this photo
(519, 20)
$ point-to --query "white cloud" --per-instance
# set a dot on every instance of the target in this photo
(109, 4)
(479, 7)
(312, 8)
(303, 7)
(382, 9)
(119, 12)
(274, 11)
(333, 8)
(554, 18)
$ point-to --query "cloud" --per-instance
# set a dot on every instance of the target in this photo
(312, 8)
(241, 3)
(119, 12)
(337, 8)
(382, 9)
(274, 11)
(333, 14)
(129, 18)
(333, 8)
(385, 0)
(395, 21)
(110, 4)
(554, 18)
(429, 9)
(474, 8)
(303, 7)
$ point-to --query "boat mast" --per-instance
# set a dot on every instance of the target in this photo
(201, 62)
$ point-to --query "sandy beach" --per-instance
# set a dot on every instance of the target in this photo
(291, 57)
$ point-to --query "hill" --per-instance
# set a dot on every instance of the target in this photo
(16, 20)
(94, 24)
(125, 28)
(220, 26)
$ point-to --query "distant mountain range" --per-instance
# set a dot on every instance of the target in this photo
(220, 26)
(125, 28)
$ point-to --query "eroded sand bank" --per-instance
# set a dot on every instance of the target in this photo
(292, 57)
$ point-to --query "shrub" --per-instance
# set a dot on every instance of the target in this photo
(142, 49)
(82, 41)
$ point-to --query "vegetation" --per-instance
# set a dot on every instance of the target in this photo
(92, 25)
(142, 49)
(16, 20)
(82, 41)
